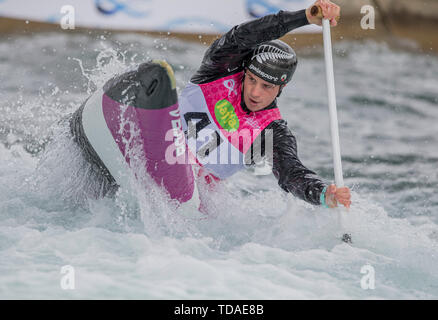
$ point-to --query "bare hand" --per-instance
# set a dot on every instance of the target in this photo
(330, 11)
(333, 195)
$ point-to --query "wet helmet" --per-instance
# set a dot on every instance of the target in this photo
(273, 61)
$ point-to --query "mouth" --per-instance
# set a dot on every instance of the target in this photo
(253, 101)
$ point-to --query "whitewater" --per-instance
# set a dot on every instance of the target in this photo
(257, 242)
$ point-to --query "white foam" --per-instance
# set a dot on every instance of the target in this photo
(258, 242)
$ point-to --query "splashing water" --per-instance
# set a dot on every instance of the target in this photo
(257, 242)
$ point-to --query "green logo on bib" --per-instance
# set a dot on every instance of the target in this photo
(226, 116)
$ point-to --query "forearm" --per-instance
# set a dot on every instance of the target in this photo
(291, 174)
(301, 182)
(225, 55)
(250, 34)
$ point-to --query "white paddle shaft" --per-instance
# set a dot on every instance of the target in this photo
(339, 180)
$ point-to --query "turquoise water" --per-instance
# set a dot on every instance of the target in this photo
(258, 243)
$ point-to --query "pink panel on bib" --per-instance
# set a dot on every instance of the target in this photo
(250, 125)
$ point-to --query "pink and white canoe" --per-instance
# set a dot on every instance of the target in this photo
(135, 115)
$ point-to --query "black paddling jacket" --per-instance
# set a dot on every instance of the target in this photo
(226, 56)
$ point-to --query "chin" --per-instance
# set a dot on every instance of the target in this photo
(256, 108)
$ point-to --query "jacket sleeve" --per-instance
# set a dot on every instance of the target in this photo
(291, 174)
(226, 54)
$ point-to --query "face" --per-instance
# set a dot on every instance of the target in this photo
(258, 93)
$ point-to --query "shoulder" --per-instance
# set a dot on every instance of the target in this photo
(279, 126)
(205, 75)
(282, 136)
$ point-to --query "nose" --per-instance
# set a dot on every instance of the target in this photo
(255, 91)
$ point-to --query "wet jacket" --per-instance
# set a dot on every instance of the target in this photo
(226, 56)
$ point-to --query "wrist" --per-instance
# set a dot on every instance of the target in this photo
(322, 198)
(310, 18)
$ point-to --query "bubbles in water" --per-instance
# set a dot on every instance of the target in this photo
(252, 230)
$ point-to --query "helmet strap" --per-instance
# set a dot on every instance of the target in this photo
(281, 89)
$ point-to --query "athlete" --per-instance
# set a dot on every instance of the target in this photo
(236, 88)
